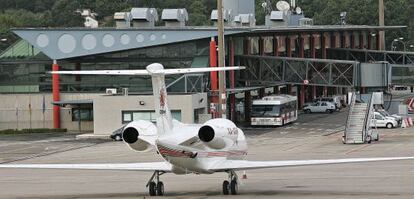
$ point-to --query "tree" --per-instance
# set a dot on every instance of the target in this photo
(197, 16)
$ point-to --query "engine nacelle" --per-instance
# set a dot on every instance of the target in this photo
(218, 133)
(140, 135)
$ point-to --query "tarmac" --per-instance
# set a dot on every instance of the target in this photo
(392, 179)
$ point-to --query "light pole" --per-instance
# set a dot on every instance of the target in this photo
(222, 76)
(394, 47)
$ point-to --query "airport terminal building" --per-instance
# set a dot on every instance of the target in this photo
(287, 55)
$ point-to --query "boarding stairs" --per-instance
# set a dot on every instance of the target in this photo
(358, 125)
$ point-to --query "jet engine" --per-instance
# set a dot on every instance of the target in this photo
(140, 135)
(218, 133)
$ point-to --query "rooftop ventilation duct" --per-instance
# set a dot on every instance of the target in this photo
(123, 19)
(245, 20)
(144, 17)
(277, 18)
(228, 17)
(174, 17)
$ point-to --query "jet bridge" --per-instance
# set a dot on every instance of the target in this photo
(262, 70)
(402, 63)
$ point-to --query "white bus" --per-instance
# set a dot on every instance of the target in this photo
(276, 110)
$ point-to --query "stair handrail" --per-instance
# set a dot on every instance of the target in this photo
(351, 107)
(368, 116)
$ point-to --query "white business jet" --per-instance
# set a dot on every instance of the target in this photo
(218, 145)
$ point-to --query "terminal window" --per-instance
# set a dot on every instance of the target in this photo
(84, 114)
(129, 116)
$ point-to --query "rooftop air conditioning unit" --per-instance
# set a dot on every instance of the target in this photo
(144, 17)
(174, 17)
(123, 19)
(110, 91)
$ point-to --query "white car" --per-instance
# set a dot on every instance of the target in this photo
(320, 107)
(381, 121)
(386, 114)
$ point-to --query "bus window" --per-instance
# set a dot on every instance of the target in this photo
(266, 110)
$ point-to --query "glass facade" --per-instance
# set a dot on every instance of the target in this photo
(29, 74)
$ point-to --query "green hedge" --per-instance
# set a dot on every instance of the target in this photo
(25, 131)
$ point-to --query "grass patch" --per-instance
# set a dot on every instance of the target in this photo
(27, 131)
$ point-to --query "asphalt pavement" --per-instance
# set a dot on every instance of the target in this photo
(308, 138)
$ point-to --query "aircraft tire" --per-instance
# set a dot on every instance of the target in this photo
(233, 187)
(160, 189)
(225, 187)
(152, 189)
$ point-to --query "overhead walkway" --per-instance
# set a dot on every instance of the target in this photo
(358, 128)
(263, 70)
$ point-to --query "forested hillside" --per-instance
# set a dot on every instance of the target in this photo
(61, 13)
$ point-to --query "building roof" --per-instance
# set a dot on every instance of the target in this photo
(63, 43)
(20, 49)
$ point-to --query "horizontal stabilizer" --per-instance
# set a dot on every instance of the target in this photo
(147, 166)
(151, 69)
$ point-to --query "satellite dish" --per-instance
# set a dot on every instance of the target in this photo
(282, 6)
(264, 5)
(298, 10)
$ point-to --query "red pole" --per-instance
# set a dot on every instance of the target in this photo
(55, 90)
(302, 95)
(213, 75)
(288, 47)
(369, 41)
(213, 63)
(312, 46)
(323, 45)
(301, 46)
(361, 41)
(275, 46)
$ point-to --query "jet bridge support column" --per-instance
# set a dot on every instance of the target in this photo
(247, 106)
(232, 82)
(313, 92)
(56, 95)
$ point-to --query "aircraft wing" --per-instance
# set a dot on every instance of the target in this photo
(147, 166)
(248, 165)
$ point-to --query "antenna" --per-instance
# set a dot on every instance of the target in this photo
(282, 6)
(298, 10)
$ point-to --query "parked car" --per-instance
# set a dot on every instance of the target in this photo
(381, 121)
(386, 114)
(320, 107)
(117, 134)
(336, 100)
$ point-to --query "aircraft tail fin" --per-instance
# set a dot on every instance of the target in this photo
(157, 72)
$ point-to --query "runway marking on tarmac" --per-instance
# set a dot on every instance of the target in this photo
(284, 132)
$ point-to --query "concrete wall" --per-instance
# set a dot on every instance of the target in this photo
(108, 109)
(23, 119)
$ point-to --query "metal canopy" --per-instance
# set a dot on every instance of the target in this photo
(68, 43)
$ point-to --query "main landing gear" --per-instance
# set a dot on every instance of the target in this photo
(156, 188)
(230, 186)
